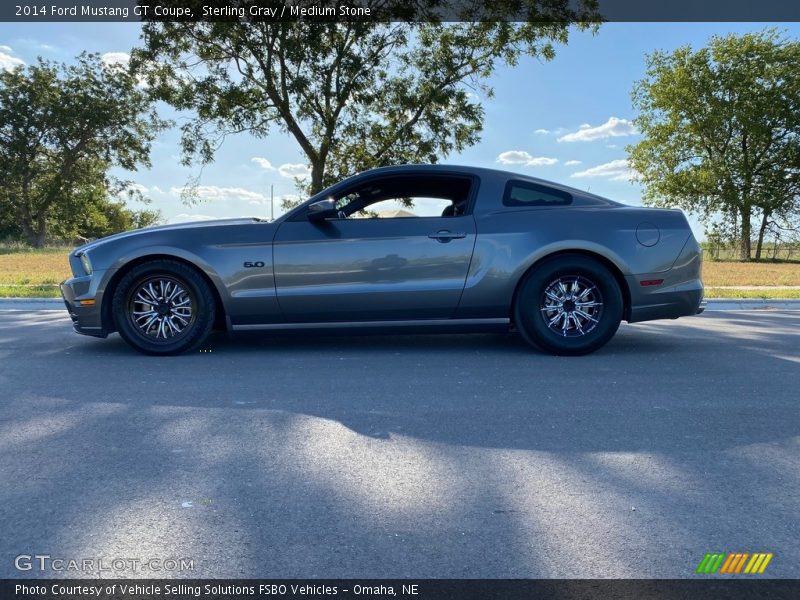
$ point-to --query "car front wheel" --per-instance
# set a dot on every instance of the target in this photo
(163, 307)
(569, 305)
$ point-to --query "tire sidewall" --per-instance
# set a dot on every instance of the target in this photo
(527, 313)
(198, 289)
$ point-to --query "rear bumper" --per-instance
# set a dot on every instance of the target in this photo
(680, 293)
(684, 300)
(86, 319)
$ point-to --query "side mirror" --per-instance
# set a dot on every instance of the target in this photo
(321, 209)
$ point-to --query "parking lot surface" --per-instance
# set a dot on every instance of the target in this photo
(467, 456)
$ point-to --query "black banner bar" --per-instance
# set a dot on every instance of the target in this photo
(397, 10)
(407, 589)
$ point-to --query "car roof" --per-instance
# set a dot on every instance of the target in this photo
(480, 172)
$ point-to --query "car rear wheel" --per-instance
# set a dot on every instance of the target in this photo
(163, 307)
(569, 305)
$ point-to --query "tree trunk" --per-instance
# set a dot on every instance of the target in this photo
(744, 243)
(317, 171)
(36, 232)
(761, 231)
(38, 240)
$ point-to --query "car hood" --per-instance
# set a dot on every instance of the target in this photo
(209, 223)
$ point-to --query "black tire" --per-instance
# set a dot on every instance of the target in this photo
(182, 302)
(577, 320)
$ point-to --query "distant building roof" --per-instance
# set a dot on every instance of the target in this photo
(393, 214)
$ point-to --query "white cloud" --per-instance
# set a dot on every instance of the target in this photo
(520, 157)
(8, 62)
(614, 127)
(263, 163)
(137, 187)
(157, 190)
(542, 131)
(294, 170)
(120, 60)
(213, 192)
(255, 202)
(538, 161)
(116, 59)
(572, 163)
(473, 97)
(616, 170)
(188, 218)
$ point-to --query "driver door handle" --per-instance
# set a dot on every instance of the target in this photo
(445, 235)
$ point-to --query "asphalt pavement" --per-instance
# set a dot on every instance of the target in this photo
(464, 456)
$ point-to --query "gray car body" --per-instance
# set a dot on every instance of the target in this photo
(391, 272)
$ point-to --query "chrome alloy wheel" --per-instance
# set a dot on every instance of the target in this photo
(571, 306)
(161, 309)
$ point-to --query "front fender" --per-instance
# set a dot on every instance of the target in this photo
(167, 252)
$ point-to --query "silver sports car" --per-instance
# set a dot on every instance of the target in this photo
(431, 247)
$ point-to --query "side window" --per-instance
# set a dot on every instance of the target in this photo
(523, 193)
(398, 208)
(407, 196)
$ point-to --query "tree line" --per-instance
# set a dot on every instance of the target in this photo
(720, 126)
(721, 137)
(62, 128)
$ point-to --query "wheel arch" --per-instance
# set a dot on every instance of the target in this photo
(605, 261)
(220, 321)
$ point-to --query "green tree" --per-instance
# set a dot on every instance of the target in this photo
(112, 216)
(721, 131)
(62, 127)
(354, 95)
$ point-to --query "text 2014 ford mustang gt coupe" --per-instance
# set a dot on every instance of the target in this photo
(435, 246)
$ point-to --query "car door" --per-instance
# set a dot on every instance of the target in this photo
(372, 269)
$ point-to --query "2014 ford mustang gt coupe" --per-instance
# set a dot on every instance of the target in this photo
(431, 247)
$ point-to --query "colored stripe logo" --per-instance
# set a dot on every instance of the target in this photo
(734, 563)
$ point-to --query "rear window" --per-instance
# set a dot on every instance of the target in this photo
(523, 193)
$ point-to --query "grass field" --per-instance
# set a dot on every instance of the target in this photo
(26, 273)
(718, 273)
(41, 267)
(762, 294)
(29, 291)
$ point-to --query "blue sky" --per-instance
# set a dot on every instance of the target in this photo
(565, 120)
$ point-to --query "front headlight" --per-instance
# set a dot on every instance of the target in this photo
(87, 264)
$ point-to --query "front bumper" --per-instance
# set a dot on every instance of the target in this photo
(86, 320)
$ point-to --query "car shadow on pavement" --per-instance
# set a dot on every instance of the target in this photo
(405, 456)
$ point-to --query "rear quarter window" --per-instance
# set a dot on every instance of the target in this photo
(522, 193)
